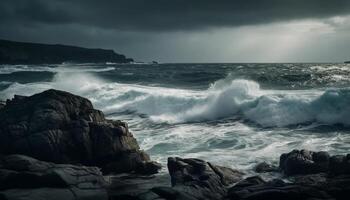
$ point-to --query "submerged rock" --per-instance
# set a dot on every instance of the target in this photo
(23, 177)
(60, 127)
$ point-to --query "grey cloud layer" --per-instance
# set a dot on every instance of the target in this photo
(166, 15)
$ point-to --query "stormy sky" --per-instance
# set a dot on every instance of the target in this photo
(188, 30)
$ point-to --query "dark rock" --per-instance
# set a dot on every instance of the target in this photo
(197, 179)
(131, 186)
(31, 53)
(59, 127)
(311, 179)
(228, 176)
(265, 167)
(338, 187)
(339, 164)
(172, 194)
(254, 188)
(23, 177)
(304, 162)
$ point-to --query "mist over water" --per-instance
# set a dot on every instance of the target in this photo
(231, 114)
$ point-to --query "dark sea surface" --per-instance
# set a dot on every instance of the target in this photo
(231, 114)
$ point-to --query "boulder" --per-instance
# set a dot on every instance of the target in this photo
(60, 127)
(23, 177)
(197, 179)
(304, 162)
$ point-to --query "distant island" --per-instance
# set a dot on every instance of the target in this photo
(12, 52)
(347, 62)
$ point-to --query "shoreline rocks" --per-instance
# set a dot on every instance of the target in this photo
(57, 133)
(60, 127)
(309, 162)
(23, 177)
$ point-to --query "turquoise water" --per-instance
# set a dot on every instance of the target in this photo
(231, 114)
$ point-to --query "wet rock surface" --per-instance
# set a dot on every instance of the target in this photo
(23, 177)
(60, 127)
(198, 179)
(57, 133)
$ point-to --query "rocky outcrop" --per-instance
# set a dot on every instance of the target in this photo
(23, 177)
(304, 162)
(59, 127)
(312, 175)
(309, 162)
(197, 179)
(32, 53)
(191, 179)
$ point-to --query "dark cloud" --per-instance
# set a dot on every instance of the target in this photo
(166, 15)
(187, 30)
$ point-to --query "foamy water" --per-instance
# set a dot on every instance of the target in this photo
(234, 120)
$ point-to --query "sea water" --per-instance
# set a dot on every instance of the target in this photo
(234, 115)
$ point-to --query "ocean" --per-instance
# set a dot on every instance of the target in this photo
(234, 115)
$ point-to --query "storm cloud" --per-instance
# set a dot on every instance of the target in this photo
(165, 15)
(188, 30)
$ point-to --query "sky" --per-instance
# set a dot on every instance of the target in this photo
(188, 30)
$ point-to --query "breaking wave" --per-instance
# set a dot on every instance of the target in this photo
(226, 98)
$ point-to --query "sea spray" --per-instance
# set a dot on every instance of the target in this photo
(232, 115)
(226, 98)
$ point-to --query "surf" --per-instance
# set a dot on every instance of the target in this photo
(225, 98)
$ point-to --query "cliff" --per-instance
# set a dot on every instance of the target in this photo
(33, 53)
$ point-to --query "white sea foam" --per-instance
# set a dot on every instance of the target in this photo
(225, 98)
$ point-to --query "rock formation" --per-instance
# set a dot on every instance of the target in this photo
(26, 178)
(59, 127)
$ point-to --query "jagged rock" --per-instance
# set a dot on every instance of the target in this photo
(197, 179)
(59, 127)
(265, 167)
(304, 162)
(23, 177)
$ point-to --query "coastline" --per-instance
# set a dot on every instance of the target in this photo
(130, 173)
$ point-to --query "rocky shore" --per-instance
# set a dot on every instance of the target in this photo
(55, 145)
(12, 52)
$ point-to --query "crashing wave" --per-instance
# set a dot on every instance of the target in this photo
(226, 98)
